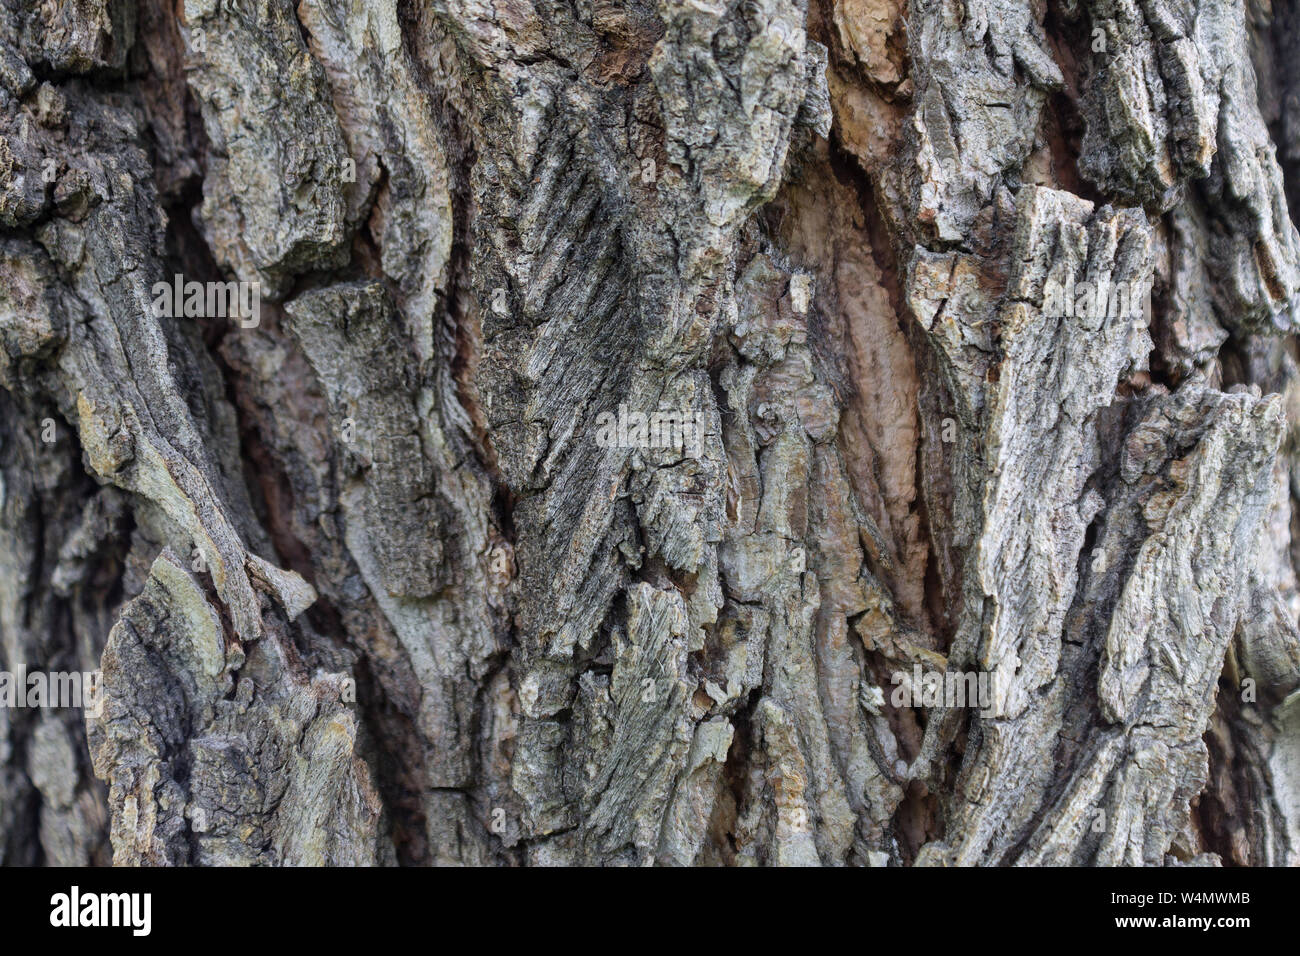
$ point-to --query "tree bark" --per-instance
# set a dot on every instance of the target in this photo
(371, 575)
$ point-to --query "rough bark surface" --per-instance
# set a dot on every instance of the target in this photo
(367, 587)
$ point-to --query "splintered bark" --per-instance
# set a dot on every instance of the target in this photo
(385, 571)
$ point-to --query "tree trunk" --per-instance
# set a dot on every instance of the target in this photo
(714, 432)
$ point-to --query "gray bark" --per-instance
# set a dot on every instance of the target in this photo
(367, 586)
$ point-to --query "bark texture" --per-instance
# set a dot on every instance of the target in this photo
(367, 587)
